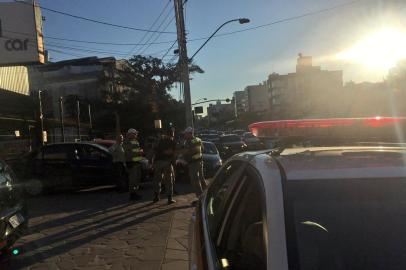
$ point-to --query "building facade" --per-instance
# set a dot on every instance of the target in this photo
(258, 100)
(240, 103)
(220, 113)
(310, 92)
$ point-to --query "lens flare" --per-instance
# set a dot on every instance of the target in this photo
(380, 50)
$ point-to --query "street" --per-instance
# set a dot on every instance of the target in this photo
(99, 229)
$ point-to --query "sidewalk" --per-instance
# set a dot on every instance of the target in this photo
(102, 230)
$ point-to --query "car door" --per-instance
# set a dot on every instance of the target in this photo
(236, 222)
(56, 167)
(95, 164)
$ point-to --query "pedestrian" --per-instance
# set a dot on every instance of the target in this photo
(119, 163)
(163, 169)
(133, 157)
(193, 155)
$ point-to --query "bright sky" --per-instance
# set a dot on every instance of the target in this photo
(335, 38)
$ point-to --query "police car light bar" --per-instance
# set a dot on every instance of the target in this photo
(283, 128)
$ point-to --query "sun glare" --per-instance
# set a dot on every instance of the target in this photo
(380, 50)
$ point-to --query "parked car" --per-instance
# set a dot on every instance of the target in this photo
(211, 159)
(231, 144)
(252, 142)
(68, 165)
(13, 209)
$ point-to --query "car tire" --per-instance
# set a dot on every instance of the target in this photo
(34, 187)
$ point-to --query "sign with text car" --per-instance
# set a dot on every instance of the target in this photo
(21, 40)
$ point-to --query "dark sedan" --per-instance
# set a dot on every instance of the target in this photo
(68, 165)
(230, 145)
(13, 212)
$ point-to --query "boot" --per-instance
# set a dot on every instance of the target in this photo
(171, 200)
(156, 198)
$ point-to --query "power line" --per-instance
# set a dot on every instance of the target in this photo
(143, 49)
(96, 21)
(86, 41)
(169, 50)
(152, 26)
(157, 36)
(284, 20)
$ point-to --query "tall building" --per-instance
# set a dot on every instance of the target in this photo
(220, 113)
(258, 100)
(308, 93)
(240, 103)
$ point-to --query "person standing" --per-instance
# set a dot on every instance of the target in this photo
(119, 163)
(163, 169)
(194, 158)
(133, 157)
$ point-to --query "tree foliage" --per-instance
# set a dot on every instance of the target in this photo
(142, 95)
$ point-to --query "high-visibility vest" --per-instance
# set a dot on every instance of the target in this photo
(133, 151)
(196, 148)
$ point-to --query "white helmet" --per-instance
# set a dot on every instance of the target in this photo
(132, 131)
(189, 130)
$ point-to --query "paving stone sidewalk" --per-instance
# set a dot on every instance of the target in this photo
(100, 229)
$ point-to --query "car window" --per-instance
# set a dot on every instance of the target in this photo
(232, 138)
(241, 243)
(219, 194)
(209, 148)
(91, 152)
(52, 152)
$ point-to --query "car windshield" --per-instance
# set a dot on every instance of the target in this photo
(346, 224)
(210, 149)
(249, 136)
(231, 138)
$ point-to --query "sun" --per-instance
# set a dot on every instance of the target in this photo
(380, 50)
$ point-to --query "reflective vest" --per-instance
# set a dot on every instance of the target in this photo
(196, 148)
(133, 151)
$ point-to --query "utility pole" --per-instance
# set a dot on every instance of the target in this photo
(183, 60)
(78, 117)
(41, 116)
(90, 121)
(61, 116)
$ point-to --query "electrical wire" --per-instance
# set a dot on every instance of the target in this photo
(142, 49)
(169, 49)
(151, 27)
(94, 20)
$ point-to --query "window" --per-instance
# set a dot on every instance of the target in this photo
(209, 148)
(241, 242)
(346, 224)
(91, 152)
(219, 194)
(55, 152)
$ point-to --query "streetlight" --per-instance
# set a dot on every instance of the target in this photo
(200, 100)
(241, 21)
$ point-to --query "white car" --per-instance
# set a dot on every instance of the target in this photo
(337, 207)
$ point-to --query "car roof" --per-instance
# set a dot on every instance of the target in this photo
(315, 163)
(77, 143)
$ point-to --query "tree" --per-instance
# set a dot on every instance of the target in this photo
(141, 95)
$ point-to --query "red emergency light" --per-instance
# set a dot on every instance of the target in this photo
(282, 128)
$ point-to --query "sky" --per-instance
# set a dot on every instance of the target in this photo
(231, 62)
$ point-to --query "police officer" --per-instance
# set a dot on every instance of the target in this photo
(163, 169)
(194, 158)
(133, 156)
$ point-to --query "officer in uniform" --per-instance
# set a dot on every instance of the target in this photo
(194, 158)
(133, 156)
(163, 169)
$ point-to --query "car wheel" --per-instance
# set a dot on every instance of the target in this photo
(34, 187)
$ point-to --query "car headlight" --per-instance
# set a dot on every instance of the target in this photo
(244, 146)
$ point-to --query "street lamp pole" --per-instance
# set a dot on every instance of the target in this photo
(241, 21)
(41, 116)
